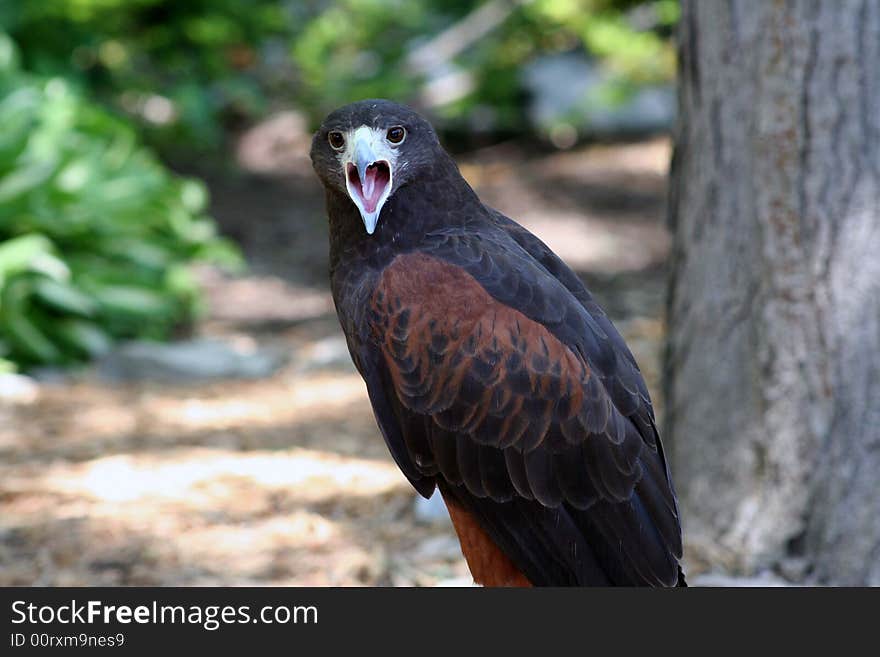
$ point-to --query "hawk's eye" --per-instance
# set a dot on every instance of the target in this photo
(336, 139)
(396, 134)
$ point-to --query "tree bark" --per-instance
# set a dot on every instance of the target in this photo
(773, 361)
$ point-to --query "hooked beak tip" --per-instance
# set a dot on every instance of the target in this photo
(370, 222)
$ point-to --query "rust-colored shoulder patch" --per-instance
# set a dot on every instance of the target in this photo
(474, 364)
(429, 283)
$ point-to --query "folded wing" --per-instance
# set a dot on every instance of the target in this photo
(497, 383)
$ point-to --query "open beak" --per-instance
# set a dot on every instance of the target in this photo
(368, 179)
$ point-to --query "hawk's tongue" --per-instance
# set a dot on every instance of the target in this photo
(368, 187)
(376, 178)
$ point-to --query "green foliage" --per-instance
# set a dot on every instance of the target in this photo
(191, 70)
(362, 48)
(197, 54)
(95, 234)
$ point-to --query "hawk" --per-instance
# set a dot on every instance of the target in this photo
(493, 374)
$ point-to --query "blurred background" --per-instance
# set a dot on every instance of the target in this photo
(177, 404)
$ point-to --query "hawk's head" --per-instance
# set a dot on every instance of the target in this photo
(371, 148)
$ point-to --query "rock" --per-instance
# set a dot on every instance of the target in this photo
(763, 579)
(188, 361)
(432, 510)
(438, 548)
(567, 89)
(49, 375)
(794, 569)
(328, 354)
(18, 389)
(457, 582)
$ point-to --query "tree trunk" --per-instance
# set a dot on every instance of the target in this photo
(773, 362)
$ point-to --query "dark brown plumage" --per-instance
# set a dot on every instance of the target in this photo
(493, 374)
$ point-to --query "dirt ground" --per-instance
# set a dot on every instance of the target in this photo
(286, 480)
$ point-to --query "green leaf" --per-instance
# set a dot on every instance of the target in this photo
(8, 54)
(20, 329)
(133, 302)
(84, 337)
(19, 253)
(25, 179)
(64, 298)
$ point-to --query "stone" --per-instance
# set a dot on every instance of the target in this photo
(457, 583)
(716, 579)
(438, 548)
(201, 359)
(566, 89)
(330, 353)
(18, 389)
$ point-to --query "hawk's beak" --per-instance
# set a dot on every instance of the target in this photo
(368, 178)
